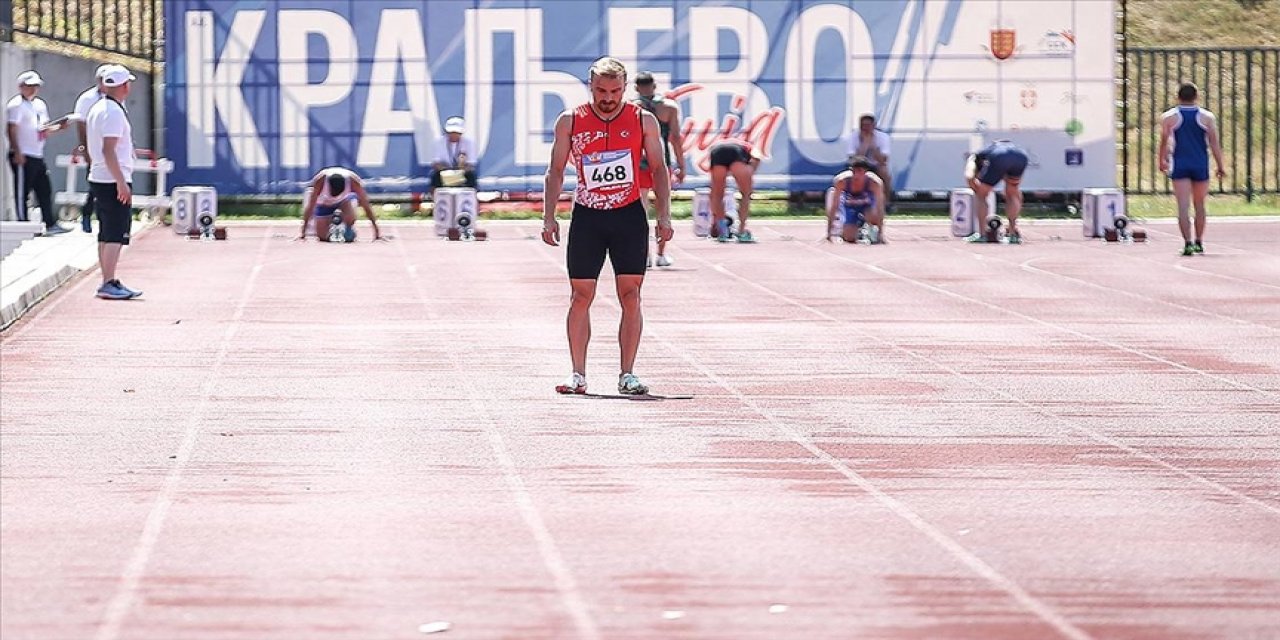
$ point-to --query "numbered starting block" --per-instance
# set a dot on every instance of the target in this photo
(464, 228)
(964, 219)
(994, 232)
(1100, 208)
(702, 210)
(1122, 231)
(205, 229)
(456, 211)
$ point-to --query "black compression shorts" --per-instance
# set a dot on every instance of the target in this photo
(724, 154)
(622, 234)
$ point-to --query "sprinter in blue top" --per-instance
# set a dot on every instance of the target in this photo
(856, 198)
(1187, 134)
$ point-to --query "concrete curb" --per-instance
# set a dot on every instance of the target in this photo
(41, 265)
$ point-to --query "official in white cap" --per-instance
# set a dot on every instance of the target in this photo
(29, 125)
(455, 159)
(110, 145)
(84, 102)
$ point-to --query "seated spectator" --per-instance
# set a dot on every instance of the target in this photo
(455, 160)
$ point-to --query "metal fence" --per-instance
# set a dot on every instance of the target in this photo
(133, 28)
(1240, 85)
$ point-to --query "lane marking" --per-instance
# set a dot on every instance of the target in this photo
(957, 551)
(566, 585)
(127, 589)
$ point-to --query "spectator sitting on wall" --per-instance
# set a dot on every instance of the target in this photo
(455, 160)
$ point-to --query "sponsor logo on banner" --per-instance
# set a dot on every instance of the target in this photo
(1058, 43)
(759, 131)
(1075, 157)
(1004, 43)
(1029, 98)
(973, 96)
(1071, 97)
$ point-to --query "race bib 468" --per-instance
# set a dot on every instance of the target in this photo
(607, 170)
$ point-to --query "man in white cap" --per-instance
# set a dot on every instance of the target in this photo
(110, 145)
(454, 158)
(28, 127)
(84, 102)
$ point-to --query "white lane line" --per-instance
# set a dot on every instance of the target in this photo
(958, 551)
(1045, 323)
(986, 388)
(1026, 265)
(566, 585)
(127, 589)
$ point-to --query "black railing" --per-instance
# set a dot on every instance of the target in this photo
(1240, 85)
(133, 28)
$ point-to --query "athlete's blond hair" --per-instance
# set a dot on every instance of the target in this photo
(608, 67)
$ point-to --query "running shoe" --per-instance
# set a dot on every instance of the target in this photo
(1189, 249)
(745, 237)
(1014, 238)
(663, 261)
(1199, 248)
(133, 293)
(977, 238)
(55, 230)
(112, 291)
(629, 384)
(575, 385)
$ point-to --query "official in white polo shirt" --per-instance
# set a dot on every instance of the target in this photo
(84, 103)
(110, 144)
(29, 125)
(454, 153)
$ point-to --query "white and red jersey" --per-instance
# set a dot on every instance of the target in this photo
(607, 154)
(326, 199)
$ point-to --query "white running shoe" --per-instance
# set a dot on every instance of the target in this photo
(629, 384)
(575, 385)
(663, 261)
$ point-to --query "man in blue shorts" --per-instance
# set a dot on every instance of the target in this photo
(1000, 160)
(334, 190)
(1193, 132)
(857, 197)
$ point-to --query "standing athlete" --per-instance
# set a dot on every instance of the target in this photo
(605, 139)
(1000, 160)
(668, 114)
(1194, 132)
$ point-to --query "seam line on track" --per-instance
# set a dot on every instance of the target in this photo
(552, 559)
(957, 551)
(126, 590)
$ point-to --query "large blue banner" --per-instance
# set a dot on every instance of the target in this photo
(262, 93)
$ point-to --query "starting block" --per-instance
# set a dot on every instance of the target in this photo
(964, 219)
(1100, 208)
(455, 211)
(1122, 231)
(189, 203)
(702, 210)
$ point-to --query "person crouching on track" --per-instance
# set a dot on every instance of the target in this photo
(332, 190)
(740, 158)
(1000, 160)
(858, 200)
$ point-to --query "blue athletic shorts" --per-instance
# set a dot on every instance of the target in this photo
(853, 215)
(1009, 163)
(323, 211)
(1195, 174)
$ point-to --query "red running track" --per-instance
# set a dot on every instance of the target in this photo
(927, 439)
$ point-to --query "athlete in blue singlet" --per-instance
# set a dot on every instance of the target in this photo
(1187, 134)
(857, 197)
